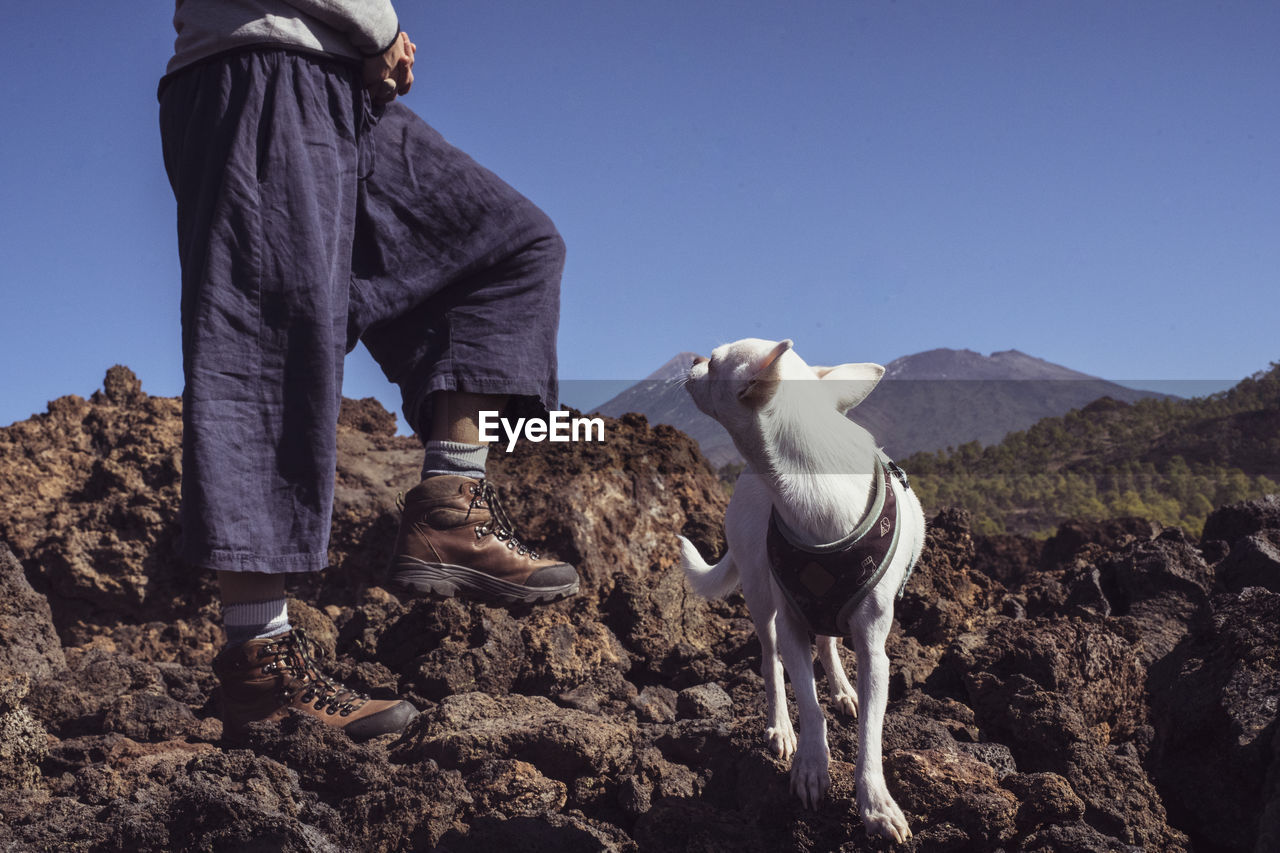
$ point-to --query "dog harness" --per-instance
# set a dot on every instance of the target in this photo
(824, 583)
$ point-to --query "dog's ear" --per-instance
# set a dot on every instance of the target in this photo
(850, 383)
(764, 382)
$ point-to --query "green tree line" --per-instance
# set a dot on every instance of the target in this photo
(1169, 460)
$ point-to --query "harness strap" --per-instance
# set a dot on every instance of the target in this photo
(824, 583)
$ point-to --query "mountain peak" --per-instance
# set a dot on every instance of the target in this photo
(676, 366)
(966, 364)
(972, 397)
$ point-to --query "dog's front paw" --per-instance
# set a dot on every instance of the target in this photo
(810, 780)
(782, 740)
(883, 819)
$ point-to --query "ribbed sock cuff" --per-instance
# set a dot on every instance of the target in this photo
(454, 457)
(255, 620)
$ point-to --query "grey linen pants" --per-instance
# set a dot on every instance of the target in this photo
(307, 222)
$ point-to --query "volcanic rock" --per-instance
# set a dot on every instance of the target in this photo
(1253, 561)
(22, 739)
(1236, 521)
(1067, 697)
(950, 787)
(1072, 537)
(946, 596)
(1158, 587)
(466, 730)
(89, 505)
(1215, 702)
(1112, 689)
(704, 700)
(28, 642)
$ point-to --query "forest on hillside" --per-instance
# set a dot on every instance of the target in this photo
(1169, 460)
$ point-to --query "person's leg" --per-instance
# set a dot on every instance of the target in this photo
(456, 294)
(456, 415)
(266, 185)
(245, 587)
(453, 444)
(254, 606)
(262, 152)
(456, 278)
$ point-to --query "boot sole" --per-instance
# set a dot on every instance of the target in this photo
(448, 581)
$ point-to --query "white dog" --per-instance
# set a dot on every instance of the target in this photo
(823, 531)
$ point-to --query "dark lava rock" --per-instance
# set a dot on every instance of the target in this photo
(705, 701)
(681, 825)
(1160, 587)
(90, 509)
(513, 788)
(28, 642)
(367, 416)
(656, 704)
(465, 731)
(997, 756)
(567, 832)
(1232, 523)
(381, 805)
(1064, 695)
(1077, 837)
(121, 387)
(174, 796)
(1215, 702)
(454, 647)
(1045, 799)
(23, 742)
(1073, 536)
(1008, 559)
(943, 786)
(945, 595)
(1115, 692)
(1253, 561)
(112, 692)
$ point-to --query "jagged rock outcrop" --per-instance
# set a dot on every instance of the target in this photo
(1216, 702)
(1114, 688)
(1235, 522)
(89, 500)
(28, 642)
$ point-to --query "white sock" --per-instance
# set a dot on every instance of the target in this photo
(254, 620)
(455, 457)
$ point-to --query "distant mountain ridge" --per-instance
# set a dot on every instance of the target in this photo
(965, 364)
(928, 401)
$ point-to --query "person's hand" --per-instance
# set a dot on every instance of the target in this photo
(391, 73)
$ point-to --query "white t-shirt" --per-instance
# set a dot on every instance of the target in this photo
(352, 29)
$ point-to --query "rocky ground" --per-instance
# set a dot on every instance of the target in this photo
(1115, 688)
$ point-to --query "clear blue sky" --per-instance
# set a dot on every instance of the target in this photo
(1092, 182)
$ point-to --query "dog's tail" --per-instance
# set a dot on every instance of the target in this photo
(707, 580)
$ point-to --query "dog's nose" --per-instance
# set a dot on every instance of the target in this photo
(697, 359)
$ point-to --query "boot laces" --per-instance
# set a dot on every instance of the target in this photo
(500, 525)
(294, 654)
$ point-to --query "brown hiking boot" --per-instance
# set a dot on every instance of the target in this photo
(456, 539)
(263, 679)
